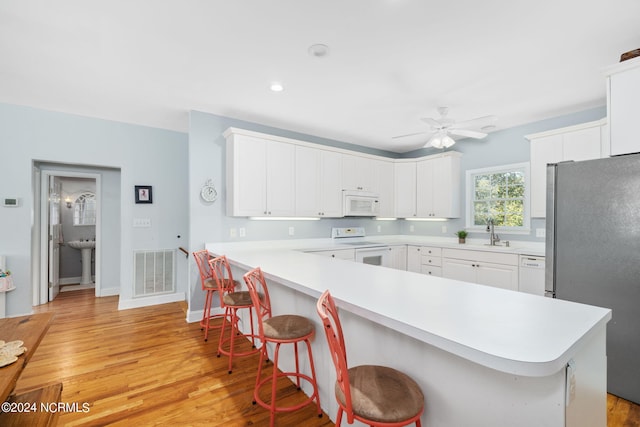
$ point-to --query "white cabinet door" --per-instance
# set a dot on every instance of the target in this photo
(260, 177)
(331, 184)
(358, 173)
(424, 188)
(583, 144)
(459, 269)
(405, 189)
(398, 257)
(384, 172)
(280, 179)
(308, 182)
(446, 187)
(438, 187)
(318, 187)
(246, 176)
(624, 104)
(414, 258)
(497, 275)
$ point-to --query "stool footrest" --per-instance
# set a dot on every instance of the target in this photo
(264, 381)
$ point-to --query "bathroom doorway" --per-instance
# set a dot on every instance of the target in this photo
(71, 221)
(105, 258)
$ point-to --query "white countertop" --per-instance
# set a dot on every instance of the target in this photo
(509, 331)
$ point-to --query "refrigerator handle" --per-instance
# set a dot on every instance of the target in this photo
(550, 242)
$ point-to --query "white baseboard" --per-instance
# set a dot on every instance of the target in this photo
(196, 315)
(153, 300)
(109, 292)
(69, 280)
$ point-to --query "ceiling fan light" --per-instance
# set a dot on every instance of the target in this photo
(447, 141)
(435, 141)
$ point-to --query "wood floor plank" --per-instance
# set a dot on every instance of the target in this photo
(148, 367)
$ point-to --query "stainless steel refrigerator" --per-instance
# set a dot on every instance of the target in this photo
(593, 253)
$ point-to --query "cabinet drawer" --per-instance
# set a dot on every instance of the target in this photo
(431, 260)
(430, 251)
(431, 270)
(485, 256)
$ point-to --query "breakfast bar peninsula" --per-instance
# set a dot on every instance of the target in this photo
(483, 356)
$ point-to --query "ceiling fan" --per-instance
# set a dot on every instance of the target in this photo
(443, 127)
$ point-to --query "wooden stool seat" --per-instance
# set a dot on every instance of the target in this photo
(382, 394)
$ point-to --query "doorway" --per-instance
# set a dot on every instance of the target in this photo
(70, 211)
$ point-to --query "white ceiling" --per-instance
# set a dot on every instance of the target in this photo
(390, 61)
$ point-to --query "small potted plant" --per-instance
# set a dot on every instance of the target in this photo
(462, 235)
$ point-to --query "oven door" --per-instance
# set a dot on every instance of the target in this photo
(373, 256)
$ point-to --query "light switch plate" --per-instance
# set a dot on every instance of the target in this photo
(142, 222)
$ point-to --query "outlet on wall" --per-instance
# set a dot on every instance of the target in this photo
(541, 232)
(292, 231)
(412, 228)
(233, 232)
(243, 232)
(444, 229)
(379, 228)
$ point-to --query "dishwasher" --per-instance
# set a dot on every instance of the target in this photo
(531, 275)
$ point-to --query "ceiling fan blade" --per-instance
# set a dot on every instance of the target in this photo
(432, 122)
(467, 133)
(409, 134)
(474, 122)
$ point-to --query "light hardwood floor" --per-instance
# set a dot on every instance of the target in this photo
(148, 367)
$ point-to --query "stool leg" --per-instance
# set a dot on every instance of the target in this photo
(227, 313)
(274, 384)
(263, 354)
(232, 335)
(313, 376)
(295, 351)
(206, 316)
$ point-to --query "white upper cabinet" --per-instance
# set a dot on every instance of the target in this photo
(384, 186)
(439, 186)
(582, 142)
(623, 106)
(318, 187)
(358, 173)
(260, 177)
(429, 188)
(405, 189)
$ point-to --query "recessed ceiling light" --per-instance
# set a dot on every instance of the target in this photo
(276, 87)
(318, 50)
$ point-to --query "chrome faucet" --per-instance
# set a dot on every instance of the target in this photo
(493, 237)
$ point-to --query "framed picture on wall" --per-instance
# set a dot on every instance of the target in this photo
(143, 194)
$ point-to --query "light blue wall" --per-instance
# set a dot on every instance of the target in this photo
(143, 155)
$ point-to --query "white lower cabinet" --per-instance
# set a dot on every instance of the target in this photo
(398, 257)
(499, 270)
(425, 260)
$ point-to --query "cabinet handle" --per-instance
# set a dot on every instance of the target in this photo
(333, 255)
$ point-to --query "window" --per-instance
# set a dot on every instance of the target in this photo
(500, 193)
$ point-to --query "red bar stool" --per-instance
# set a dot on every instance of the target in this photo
(231, 301)
(282, 329)
(209, 287)
(375, 395)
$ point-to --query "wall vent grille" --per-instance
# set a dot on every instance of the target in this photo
(154, 272)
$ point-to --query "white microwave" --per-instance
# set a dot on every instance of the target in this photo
(360, 203)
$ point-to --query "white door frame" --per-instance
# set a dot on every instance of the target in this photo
(42, 288)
